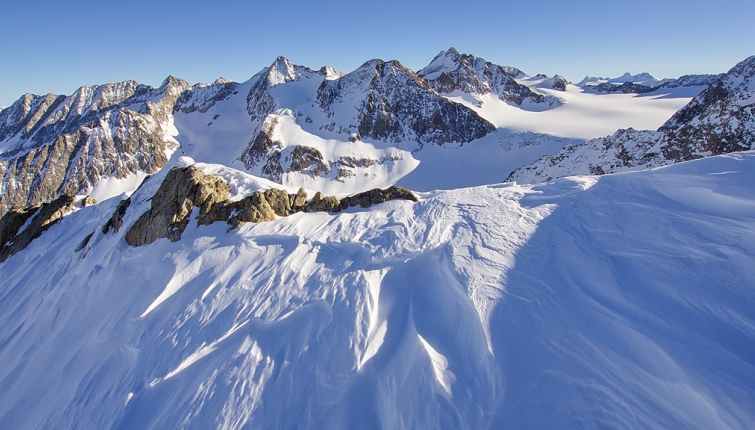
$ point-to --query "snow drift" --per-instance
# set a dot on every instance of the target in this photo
(623, 301)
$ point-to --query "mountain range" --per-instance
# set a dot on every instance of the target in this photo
(463, 246)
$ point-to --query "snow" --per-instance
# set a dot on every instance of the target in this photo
(582, 114)
(644, 78)
(110, 187)
(623, 301)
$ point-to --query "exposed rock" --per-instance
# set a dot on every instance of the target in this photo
(324, 204)
(626, 88)
(88, 201)
(116, 220)
(181, 190)
(451, 71)
(84, 242)
(377, 195)
(16, 232)
(279, 201)
(298, 200)
(307, 159)
(188, 187)
(254, 208)
(396, 104)
(559, 83)
(64, 145)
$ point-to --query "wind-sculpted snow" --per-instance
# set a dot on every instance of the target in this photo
(619, 302)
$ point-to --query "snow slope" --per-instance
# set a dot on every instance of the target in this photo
(581, 114)
(623, 301)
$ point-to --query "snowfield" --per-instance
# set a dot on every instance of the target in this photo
(621, 301)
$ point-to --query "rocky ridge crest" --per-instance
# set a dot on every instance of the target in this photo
(186, 188)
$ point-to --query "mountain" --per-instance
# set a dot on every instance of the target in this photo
(328, 131)
(719, 120)
(380, 101)
(52, 145)
(451, 72)
(644, 79)
(499, 306)
(643, 83)
(318, 249)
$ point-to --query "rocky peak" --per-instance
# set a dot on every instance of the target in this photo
(260, 103)
(55, 145)
(395, 104)
(451, 71)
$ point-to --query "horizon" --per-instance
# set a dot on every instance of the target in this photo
(64, 47)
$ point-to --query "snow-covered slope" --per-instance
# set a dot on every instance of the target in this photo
(719, 120)
(623, 301)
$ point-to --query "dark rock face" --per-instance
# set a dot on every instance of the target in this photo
(298, 200)
(58, 144)
(202, 97)
(372, 197)
(260, 103)
(63, 145)
(188, 187)
(279, 201)
(398, 105)
(14, 237)
(320, 203)
(559, 83)
(719, 120)
(474, 75)
(116, 221)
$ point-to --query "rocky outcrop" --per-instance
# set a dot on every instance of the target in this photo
(52, 145)
(322, 203)
(88, 201)
(260, 103)
(116, 220)
(185, 188)
(202, 97)
(719, 120)
(559, 83)
(181, 191)
(372, 197)
(20, 226)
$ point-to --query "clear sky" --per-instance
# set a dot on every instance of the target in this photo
(57, 46)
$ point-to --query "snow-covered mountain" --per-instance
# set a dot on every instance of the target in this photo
(721, 119)
(321, 129)
(549, 306)
(644, 79)
(243, 255)
(643, 83)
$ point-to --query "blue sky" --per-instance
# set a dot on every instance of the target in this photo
(57, 46)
